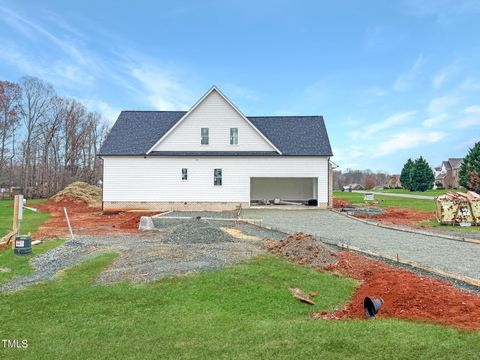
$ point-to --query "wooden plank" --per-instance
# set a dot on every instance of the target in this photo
(300, 295)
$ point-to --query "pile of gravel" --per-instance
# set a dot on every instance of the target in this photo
(304, 249)
(48, 264)
(195, 231)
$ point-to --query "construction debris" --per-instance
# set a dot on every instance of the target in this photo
(300, 295)
(304, 249)
(456, 208)
(80, 192)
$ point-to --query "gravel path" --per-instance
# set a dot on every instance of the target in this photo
(453, 256)
(179, 247)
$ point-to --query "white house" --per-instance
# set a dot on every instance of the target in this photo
(213, 157)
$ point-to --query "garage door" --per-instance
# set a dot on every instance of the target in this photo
(290, 189)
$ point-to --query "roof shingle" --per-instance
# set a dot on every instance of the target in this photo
(135, 132)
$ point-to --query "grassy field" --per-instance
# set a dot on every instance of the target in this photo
(425, 193)
(14, 265)
(31, 220)
(389, 201)
(242, 312)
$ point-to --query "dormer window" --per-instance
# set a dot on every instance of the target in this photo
(233, 136)
(204, 135)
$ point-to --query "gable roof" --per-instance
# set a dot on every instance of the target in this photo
(136, 132)
(212, 89)
(455, 163)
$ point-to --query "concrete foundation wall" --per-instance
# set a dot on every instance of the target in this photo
(172, 206)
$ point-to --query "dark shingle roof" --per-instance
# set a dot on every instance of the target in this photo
(295, 135)
(455, 163)
(135, 132)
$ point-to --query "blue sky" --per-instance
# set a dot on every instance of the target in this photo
(393, 79)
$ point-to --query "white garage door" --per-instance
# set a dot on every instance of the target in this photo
(283, 188)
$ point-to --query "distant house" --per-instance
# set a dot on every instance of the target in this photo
(351, 187)
(393, 182)
(447, 174)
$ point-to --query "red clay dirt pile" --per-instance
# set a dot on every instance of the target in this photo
(340, 203)
(406, 294)
(304, 249)
(82, 202)
(400, 216)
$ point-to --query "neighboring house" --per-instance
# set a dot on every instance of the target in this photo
(447, 175)
(393, 182)
(351, 187)
(213, 157)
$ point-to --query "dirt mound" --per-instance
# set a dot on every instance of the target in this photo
(304, 249)
(406, 294)
(400, 216)
(80, 192)
(340, 203)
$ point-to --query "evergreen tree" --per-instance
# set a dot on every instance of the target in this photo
(470, 169)
(405, 176)
(421, 176)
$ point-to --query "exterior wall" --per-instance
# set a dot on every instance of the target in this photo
(284, 188)
(219, 116)
(140, 180)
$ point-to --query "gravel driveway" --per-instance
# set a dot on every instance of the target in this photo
(453, 256)
(178, 247)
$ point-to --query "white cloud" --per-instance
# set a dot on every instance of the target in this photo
(444, 74)
(163, 91)
(442, 104)
(108, 112)
(470, 84)
(435, 120)
(404, 80)
(389, 122)
(407, 140)
(471, 117)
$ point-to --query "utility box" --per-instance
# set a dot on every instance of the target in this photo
(23, 245)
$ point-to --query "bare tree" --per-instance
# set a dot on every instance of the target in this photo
(10, 97)
(36, 104)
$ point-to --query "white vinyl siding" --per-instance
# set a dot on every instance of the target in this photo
(218, 116)
(157, 178)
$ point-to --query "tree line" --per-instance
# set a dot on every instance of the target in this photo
(46, 140)
(366, 178)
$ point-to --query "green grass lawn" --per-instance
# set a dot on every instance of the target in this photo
(404, 191)
(242, 312)
(389, 201)
(31, 220)
(14, 265)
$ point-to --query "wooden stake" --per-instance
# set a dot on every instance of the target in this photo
(15, 227)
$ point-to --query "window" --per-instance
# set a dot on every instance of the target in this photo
(204, 133)
(184, 174)
(233, 136)
(217, 177)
